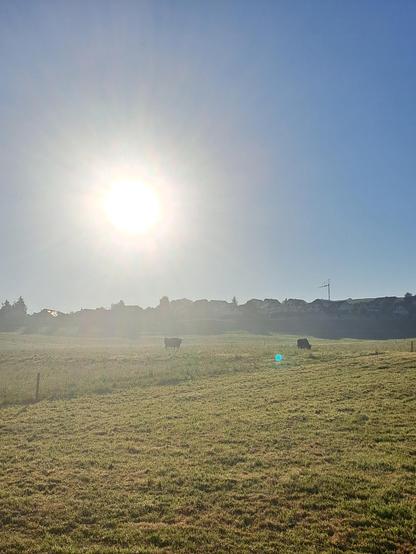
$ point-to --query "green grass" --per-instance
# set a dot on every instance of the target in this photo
(214, 449)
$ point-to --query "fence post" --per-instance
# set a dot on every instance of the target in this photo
(411, 346)
(37, 387)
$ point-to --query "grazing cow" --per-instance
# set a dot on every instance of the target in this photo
(173, 343)
(304, 343)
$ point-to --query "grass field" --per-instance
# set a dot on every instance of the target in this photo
(132, 449)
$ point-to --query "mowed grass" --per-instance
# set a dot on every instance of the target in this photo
(214, 449)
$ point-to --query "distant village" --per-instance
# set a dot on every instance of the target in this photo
(386, 317)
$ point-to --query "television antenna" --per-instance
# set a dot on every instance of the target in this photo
(327, 285)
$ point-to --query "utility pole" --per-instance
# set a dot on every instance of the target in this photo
(327, 285)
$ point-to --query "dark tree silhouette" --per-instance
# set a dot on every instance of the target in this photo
(6, 307)
(118, 306)
(20, 307)
(164, 303)
(13, 316)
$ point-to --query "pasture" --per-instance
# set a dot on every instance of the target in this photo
(215, 448)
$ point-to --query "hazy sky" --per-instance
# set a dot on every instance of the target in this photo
(281, 133)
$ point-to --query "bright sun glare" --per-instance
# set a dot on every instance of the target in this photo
(132, 207)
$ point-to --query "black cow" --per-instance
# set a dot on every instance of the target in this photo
(173, 343)
(304, 343)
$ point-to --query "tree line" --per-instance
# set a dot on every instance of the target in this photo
(13, 315)
(384, 317)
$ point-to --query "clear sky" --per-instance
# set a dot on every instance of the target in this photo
(281, 136)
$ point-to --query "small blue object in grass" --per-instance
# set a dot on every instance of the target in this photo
(278, 358)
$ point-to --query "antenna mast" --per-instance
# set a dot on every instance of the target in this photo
(327, 285)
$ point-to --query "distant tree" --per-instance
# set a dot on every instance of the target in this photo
(119, 306)
(5, 315)
(408, 295)
(19, 307)
(6, 307)
(13, 316)
(234, 302)
(164, 303)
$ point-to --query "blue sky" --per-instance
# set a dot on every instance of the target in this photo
(283, 133)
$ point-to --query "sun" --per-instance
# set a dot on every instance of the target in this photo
(132, 207)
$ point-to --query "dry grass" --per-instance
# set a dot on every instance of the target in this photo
(238, 455)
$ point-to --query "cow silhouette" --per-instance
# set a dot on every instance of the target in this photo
(304, 343)
(173, 343)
